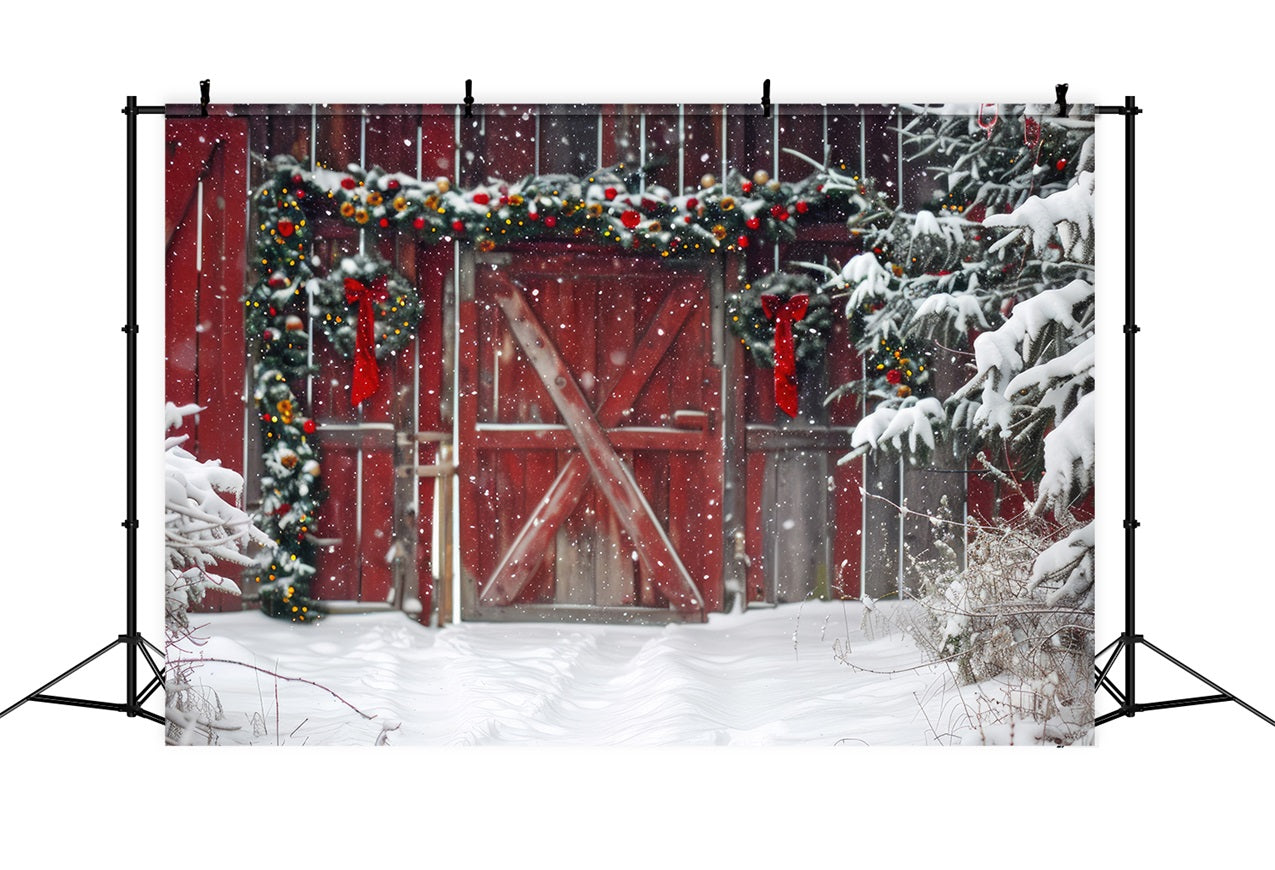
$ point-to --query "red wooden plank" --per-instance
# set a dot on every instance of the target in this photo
(564, 494)
(612, 477)
(509, 142)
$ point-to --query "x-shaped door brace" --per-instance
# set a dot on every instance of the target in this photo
(596, 457)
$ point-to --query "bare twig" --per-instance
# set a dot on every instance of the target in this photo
(277, 677)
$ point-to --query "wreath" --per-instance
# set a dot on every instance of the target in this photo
(784, 321)
(361, 284)
(748, 319)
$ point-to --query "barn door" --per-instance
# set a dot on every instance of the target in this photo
(590, 436)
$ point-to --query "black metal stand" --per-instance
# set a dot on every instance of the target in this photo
(132, 641)
(1130, 640)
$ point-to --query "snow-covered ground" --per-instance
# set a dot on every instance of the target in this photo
(767, 677)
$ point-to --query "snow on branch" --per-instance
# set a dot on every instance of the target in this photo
(911, 429)
(201, 529)
(1069, 459)
(1066, 215)
(1068, 562)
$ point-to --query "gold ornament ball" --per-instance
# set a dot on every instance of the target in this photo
(294, 323)
(773, 184)
(708, 180)
(761, 176)
(443, 184)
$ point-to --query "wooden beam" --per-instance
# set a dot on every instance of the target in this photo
(558, 437)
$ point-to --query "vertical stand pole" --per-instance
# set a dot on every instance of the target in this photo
(1130, 640)
(130, 446)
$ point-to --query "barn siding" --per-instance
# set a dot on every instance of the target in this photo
(765, 488)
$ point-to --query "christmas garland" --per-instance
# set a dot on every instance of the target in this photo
(722, 215)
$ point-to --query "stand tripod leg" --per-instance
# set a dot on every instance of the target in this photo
(1222, 696)
(38, 694)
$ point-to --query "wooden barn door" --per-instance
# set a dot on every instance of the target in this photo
(591, 454)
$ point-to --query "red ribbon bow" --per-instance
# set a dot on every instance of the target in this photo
(785, 314)
(367, 377)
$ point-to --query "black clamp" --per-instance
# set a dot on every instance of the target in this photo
(765, 97)
(203, 97)
(129, 524)
(1063, 106)
(1131, 524)
(1131, 328)
(469, 98)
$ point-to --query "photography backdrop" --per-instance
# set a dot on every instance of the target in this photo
(641, 364)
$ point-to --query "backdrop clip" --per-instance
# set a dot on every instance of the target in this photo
(203, 97)
(1063, 105)
(765, 97)
(469, 98)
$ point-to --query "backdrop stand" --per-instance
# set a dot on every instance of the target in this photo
(134, 644)
(1130, 640)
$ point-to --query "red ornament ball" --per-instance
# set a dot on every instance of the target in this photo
(551, 221)
(300, 194)
(610, 193)
(296, 179)
(1061, 164)
(392, 184)
(458, 225)
(286, 228)
(308, 426)
(742, 241)
(802, 206)
(384, 222)
(630, 219)
(692, 204)
(348, 183)
(753, 223)
(481, 197)
(746, 186)
(533, 215)
(894, 376)
(418, 222)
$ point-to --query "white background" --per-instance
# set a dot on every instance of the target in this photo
(1168, 788)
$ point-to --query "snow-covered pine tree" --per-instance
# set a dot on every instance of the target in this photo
(202, 530)
(997, 267)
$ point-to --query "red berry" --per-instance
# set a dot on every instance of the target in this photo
(551, 221)
(1061, 164)
(746, 186)
(533, 215)
(893, 376)
(742, 241)
(753, 222)
(392, 184)
(691, 204)
(300, 194)
(802, 206)
(419, 222)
